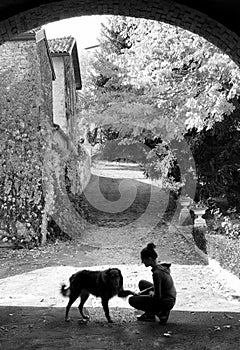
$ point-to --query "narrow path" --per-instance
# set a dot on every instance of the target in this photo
(124, 215)
(114, 237)
(126, 212)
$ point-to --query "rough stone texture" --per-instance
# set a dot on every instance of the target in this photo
(27, 132)
(45, 82)
(71, 97)
(64, 155)
(65, 97)
(59, 110)
(25, 111)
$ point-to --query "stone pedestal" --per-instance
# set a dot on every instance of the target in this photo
(199, 221)
(184, 216)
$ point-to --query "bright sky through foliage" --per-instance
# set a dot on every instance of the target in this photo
(84, 29)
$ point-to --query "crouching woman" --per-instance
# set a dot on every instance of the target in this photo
(159, 297)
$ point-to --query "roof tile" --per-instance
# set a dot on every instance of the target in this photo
(61, 45)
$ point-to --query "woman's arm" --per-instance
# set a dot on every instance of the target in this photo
(146, 291)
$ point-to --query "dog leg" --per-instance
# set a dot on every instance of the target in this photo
(106, 309)
(72, 298)
(84, 296)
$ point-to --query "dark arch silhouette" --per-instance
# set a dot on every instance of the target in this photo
(215, 20)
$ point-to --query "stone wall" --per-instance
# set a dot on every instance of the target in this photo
(33, 159)
(59, 108)
(76, 161)
(71, 97)
(24, 103)
(45, 83)
(65, 97)
(59, 208)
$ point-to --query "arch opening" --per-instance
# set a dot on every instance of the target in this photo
(173, 14)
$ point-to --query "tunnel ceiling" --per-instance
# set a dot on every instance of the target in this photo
(215, 20)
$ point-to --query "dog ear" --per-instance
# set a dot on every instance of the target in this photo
(120, 275)
(113, 273)
(108, 272)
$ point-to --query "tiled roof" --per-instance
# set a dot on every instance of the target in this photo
(67, 46)
(61, 45)
(34, 30)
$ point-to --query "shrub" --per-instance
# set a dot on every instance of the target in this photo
(227, 225)
(199, 238)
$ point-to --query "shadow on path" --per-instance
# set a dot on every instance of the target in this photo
(44, 328)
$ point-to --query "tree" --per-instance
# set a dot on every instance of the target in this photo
(216, 154)
(162, 79)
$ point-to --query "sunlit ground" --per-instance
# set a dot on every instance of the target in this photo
(199, 288)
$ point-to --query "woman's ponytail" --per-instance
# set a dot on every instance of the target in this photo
(149, 252)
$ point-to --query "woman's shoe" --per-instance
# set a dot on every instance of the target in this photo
(163, 320)
(146, 318)
(163, 317)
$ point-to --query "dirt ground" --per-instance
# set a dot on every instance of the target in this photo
(125, 213)
(31, 328)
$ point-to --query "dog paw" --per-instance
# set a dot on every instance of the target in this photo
(85, 317)
(83, 321)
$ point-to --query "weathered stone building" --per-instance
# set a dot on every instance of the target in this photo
(34, 154)
(68, 80)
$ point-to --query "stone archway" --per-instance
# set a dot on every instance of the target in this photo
(197, 20)
(218, 25)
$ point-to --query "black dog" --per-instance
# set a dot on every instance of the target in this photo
(105, 284)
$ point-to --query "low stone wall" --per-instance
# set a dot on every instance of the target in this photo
(186, 232)
(225, 251)
(223, 256)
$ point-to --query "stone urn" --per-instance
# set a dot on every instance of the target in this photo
(199, 212)
(185, 201)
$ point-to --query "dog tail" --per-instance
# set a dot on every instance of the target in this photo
(65, 291)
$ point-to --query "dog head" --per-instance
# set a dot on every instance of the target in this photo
(114, 278)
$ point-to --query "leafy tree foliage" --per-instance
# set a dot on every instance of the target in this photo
(216, 153)
(153, 81)
(162, 77)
